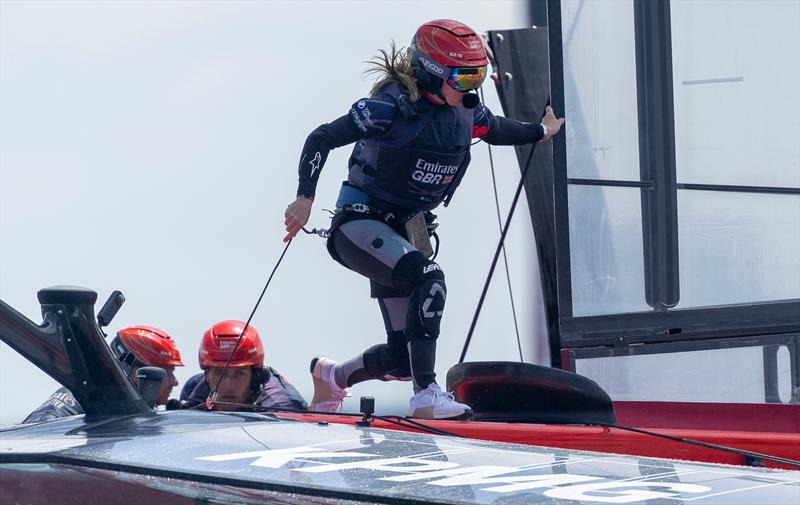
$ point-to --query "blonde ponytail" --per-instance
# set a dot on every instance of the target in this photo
(393, 66)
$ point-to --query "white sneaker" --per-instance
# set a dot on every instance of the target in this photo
(433, 403)
(328, 396)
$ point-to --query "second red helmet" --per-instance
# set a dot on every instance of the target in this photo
(220, 340)
(145, 345)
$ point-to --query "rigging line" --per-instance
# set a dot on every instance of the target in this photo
(415, 424)
(724, 448)
(497, 253)
(247, 324)
(406, 422)
(505, 258)
(397, 420)
(259, 442)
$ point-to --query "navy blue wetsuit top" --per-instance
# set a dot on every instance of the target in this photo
(372, 117)
(276, 391)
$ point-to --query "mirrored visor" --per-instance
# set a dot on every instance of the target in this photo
(467, 78)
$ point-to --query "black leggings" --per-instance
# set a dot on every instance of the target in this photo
(411, 294)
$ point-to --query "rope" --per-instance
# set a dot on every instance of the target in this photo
(505, 258)
(497, 254)
(209, 401)
(418, 425)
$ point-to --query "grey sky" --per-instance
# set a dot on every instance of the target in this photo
(151, 147)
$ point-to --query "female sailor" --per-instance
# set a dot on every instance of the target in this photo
(412, 137)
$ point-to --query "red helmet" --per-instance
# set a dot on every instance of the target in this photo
(444, 45)
(145, 345)
(219, 341)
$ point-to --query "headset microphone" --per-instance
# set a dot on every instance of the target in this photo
(470, 100)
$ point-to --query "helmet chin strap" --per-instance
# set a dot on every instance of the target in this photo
(439, 94)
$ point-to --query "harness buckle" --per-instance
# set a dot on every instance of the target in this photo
(361, 208)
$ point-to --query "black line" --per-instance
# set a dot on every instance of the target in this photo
(775, 190)
(212, 396)
(416, 425)
(497, 254)
(753, 319)
(563, 268)
(710, 343)
(505, 256)
(657, 161)
(699, 443)
(611, 182)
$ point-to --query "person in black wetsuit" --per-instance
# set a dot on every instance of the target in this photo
(247, 381)
(134, 347)
(412, 137)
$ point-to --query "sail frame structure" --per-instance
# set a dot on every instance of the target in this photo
(661, 324)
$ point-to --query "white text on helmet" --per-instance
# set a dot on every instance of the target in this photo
(431, 67)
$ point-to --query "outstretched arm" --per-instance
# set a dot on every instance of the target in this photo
(503, 131)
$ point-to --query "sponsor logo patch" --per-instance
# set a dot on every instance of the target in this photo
(426, 471)
(430, 268)
(431, 67)
(315, 163)
(357, 120)
(433, 173)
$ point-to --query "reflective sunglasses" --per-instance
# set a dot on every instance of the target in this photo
(465, 79)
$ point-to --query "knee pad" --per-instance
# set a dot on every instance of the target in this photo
(425, 280)
(426, 305)
(426, 309)
(383, 364)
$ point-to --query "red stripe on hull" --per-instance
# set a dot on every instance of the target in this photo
(758, 417)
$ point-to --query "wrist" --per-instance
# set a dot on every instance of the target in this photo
(307, 197)
(544, 130)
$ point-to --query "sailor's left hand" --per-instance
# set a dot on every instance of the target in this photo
(552, 123)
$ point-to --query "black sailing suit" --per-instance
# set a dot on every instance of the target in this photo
(408, 158)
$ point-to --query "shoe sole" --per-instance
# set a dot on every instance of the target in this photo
(322, 390)
(427, 413)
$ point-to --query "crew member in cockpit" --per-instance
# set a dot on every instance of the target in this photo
(134, 347)
(247, 382)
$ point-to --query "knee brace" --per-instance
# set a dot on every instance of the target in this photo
(428, 294)
(388, 361)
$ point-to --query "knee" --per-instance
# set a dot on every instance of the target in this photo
(414, 269)
(426, 282)
(425, 313)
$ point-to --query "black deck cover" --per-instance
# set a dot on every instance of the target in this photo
(207, 455)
